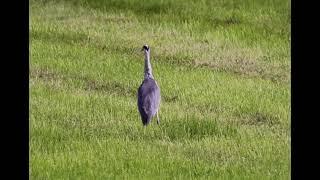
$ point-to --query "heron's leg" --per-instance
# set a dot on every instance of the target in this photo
(158, 120)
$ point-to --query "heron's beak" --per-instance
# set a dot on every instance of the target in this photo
(142, 49)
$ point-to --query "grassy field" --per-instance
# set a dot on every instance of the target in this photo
(224, 72)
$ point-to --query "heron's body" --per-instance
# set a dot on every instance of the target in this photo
(148, 93)
(148, 99)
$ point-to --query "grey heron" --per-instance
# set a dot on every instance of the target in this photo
(148, 92)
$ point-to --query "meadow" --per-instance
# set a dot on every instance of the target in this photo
(223, 67)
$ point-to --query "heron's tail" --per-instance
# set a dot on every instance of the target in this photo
(146, 121)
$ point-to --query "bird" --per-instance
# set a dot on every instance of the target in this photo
(149, 92)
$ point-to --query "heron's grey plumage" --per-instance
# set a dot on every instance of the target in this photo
(148, 92)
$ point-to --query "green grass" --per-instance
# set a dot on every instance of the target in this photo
(224, 72)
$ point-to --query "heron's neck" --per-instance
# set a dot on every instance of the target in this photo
(147, 66)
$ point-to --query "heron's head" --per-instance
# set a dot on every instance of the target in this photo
(145, 48)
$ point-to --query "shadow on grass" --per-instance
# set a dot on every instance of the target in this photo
(258, 118)
(138, 7)
(180, 129)
(92, 85)
(234, 20)
(61, 37)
